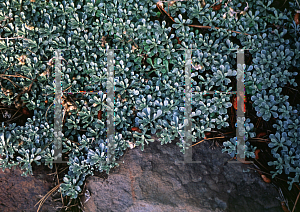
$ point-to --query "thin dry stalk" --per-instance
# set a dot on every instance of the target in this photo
(71, 206)
(30, 51)
(41, 202)
(7, 109)
(206, 139)
(18, 75)
(12, 119)
(54, 92)
(261, 139)
(15, 113)
(296, 202)
(62, 199)
(47, 111)
(205, 27)
(209, 27)
(58, 172)
(162, 9)
(14, 38)
(10, 66)
(10, 81)
(261, 164)
(220, 1)
(297, 3)
(68, 88)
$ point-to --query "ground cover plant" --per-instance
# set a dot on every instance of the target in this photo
(149, 80)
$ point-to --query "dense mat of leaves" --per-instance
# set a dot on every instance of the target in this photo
(149, 77)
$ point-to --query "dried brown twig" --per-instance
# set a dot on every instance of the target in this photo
(220, 1)
(62, 200)
(209, 27)
(15, 85)
(17, 75)
(26, 89)
(160, 7)
(41, 202)
(207, 139)
(47, 111)
(14, 38)
(296, 202)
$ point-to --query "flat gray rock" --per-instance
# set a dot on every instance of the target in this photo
(154, 180)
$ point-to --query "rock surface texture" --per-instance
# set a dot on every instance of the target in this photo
(20, 193)
(151, 180)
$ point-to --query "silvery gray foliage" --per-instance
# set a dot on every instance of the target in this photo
(96, 26)
(147, 117)
(180, 25)
(265, 105)
(287, 140)
(231, 144)
(246, 128)
(234, 145)
(197, 11)
(219, 77)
